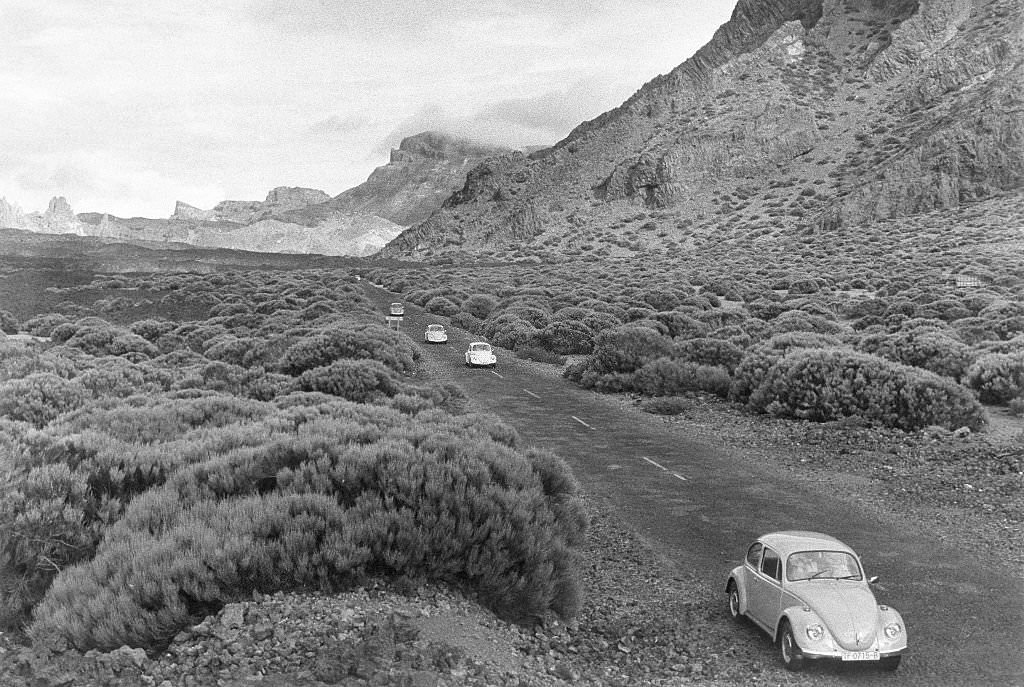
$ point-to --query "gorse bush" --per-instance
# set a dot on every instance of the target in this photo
(997, 377)
(830, 384)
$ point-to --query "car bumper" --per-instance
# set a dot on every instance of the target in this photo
(837, 655)
(482, 362)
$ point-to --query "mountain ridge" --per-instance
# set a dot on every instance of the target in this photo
(424, 170)
(799, 115)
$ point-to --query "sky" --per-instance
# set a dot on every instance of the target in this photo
(125, 106)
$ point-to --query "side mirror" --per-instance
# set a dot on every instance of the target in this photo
(873, 579)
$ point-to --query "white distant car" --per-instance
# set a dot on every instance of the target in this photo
(435, 334)
(397, 309)
(480, 355)
(808, 591)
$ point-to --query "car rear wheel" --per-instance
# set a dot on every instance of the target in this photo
(789, 650)
(890, 662)
(734, 601)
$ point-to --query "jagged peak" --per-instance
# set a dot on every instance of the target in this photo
(438, 145)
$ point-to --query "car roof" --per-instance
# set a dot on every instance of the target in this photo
(432, 326)
(790, 541)
(479, 343)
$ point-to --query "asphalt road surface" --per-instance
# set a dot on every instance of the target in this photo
(702, 507)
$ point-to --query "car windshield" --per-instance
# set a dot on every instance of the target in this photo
(435, 328)
(480, 347)
(822, 565)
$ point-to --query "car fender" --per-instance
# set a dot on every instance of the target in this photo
(887, 615)
(799, 617)
(736, 577)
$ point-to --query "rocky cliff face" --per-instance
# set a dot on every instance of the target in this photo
(798, 115)
(423, 171)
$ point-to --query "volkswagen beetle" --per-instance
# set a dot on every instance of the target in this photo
(480, 355)
(435, 334)
(397, 309)
(808, 591)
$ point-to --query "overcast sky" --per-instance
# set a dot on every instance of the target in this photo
(124, 106)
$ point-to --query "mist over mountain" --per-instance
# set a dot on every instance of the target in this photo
(799, 115)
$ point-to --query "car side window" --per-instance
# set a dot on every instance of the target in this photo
(754, 555)
(771, 565)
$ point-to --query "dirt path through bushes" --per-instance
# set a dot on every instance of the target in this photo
(701, 505)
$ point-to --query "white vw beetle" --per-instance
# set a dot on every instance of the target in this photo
(480, 355)
(809, 593)
(435, 334)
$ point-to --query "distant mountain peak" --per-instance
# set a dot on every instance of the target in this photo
(436, 145)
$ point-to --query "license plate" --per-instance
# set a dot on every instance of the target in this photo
(860, 656)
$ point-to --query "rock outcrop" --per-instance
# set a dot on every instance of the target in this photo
(797, 115)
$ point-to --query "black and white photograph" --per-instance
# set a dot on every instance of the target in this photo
(512, 344)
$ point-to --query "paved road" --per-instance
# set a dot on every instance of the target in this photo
(965, 615)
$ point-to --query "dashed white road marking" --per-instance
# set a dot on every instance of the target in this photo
(657, 465)
(531, 393)
(496, 374)
(665, 469)
(581, 422)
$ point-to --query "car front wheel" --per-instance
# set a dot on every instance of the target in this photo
(734, 601)
(792, 657)
(890, 663)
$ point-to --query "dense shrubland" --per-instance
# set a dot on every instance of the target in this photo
(736, 313)
(152, 470)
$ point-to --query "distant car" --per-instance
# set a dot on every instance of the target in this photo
(480, 355)
(397, 309)
(808, 592)
(435, 334)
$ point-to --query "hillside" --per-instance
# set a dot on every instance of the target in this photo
(421, 174)
(799, 115)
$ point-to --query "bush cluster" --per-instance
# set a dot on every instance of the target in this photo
(831, 384)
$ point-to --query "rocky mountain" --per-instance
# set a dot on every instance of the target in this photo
(422, 173)
(798, 115)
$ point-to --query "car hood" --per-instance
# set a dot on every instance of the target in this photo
(848, 610)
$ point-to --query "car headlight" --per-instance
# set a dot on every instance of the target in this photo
(815, 632)
(893, 630)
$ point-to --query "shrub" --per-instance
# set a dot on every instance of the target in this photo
(367, 342)
(681, 325)
(708, 351)
(830, 384)
(42, 325)
(106, 339)
(310, 513)
(508, 330)
(565, 337)
(668, 377)
(628, 348)
(997, 377)
(362, 381)
(1016, 406)
(756, 362)
(151, 330)
(8, 322)
(439, 305)
(800, 321)
(929, 349)
(40, 398)
(465, 320)
(480, 305)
